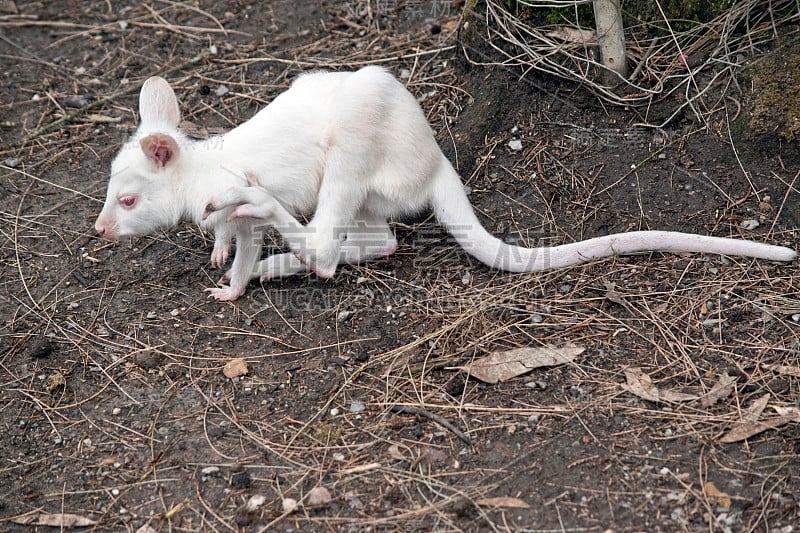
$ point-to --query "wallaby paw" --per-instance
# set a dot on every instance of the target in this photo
(226, 293)
(220, 255)
(263, 211)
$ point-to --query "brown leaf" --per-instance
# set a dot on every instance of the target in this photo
(720, 498)
(785, 370)
(746, 429)
(613, 295)
(722, 389)
(55, 520)
(502, 366)
(753, 412)
(750, 424)
(235, 368)
(640, 384)
(503, 501)
(573, 35)
(792, 413)
(395, 453)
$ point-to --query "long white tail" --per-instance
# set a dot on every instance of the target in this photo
(453, 210)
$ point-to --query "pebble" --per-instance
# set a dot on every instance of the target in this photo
(40, 348)
(537, 318)
(289, 505)
(335, 411)
(255, 502)
(796, 317)
(515, 145)
(749, 224)
(405, 74)
(345, 315)
(210, 470)
(11, 163)
(222, 90)
(357, 407)
(151, 315)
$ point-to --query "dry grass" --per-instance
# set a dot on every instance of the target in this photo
(124, 421)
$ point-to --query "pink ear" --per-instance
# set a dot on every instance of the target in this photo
(159, 148)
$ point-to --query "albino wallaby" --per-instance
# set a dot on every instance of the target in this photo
(352, 149)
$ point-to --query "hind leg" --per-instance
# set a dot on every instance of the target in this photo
(368, 238)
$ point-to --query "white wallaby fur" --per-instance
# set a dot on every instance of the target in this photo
(352, 149)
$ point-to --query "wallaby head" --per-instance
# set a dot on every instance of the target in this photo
(142, 190)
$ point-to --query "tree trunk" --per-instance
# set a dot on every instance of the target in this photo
(611, 38)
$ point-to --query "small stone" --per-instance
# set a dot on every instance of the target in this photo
(40, 348)
(147, 359)
(240, 480)
(796, 317)
(749, 224)
(335, 411)
(515, 145)
(405, 74)
(11, 163)
(565, 288)
(175, 312)
(222, 90)
(357, 407)
(123, 24)
(319, 496)
(289, 505)
(213, 50)
(210, 471)
(235, 368)
(345, 315)
(151, 315)
(255, 502)
(536, 318)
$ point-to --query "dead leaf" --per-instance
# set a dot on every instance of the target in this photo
(720, 498)
(792, 413)
(722, 389)
(573, 35)
(502, 366)
(503, 501)
(640, 384)
(55, 520)
(235, 368)
(612, 295)
(750, 424)
(395, 453)
(745, 430)
(785, 370)
(102, 119)
(753, 412)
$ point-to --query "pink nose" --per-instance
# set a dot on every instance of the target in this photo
(104, 228)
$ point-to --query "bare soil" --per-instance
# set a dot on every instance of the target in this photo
(114, 403)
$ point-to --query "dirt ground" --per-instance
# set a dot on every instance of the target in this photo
(356, 412)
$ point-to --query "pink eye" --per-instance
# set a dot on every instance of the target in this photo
(127, 201)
